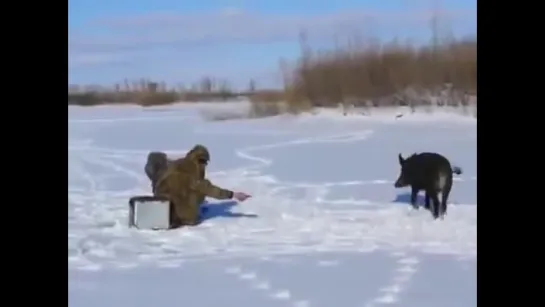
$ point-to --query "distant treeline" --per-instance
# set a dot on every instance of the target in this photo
(358, 73)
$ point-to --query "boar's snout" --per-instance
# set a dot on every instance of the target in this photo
(400, 183)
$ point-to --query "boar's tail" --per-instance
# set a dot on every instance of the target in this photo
(456, 170)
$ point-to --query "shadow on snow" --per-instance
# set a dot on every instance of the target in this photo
(222, 210)
(405, 198)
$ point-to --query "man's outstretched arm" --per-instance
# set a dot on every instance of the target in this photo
(205, 187)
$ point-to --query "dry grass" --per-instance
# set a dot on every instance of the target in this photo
(143, 98)
(364, 74)
(148, 93)
(267, 103)
(383, 75)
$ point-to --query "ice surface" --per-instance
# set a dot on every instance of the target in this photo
(325, 226)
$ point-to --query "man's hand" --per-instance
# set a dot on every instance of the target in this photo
(240, 196)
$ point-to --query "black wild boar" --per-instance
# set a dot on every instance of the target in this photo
(432, 173)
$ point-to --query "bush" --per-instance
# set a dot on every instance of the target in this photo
(383, 75)
(154, 99)
(368, 75)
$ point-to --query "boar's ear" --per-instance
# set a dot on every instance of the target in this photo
(401, 160)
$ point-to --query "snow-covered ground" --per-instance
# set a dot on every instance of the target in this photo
(325, 228)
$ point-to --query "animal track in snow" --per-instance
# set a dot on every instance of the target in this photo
(406, 267)
(261, 284)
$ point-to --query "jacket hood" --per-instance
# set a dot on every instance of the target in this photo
(199, 152)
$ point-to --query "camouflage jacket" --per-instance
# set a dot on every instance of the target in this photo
(184, 183)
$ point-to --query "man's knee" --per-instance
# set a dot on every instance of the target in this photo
(183, 216)
(191, 218)
(193, 222)
(177, 223)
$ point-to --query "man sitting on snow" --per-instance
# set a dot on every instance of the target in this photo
(185, 185)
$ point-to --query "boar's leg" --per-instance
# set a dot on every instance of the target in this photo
(444, 200)
(435, 208)
(414, 194)
(427, 201)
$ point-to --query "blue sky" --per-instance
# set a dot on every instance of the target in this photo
(180, 41)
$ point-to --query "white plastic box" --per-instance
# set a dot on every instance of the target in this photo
(149, 212)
